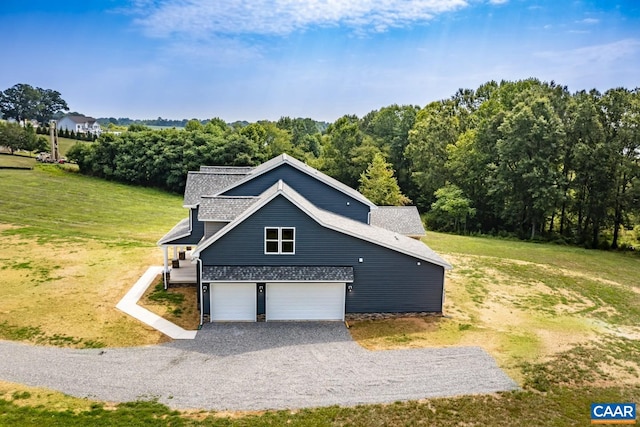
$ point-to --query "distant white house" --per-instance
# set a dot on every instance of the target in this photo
(23, 123)
(79, 124)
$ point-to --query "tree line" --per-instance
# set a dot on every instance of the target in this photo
(162, 158)
(66, 133)
(527, 157)
(161, 122)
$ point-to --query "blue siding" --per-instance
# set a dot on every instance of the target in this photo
(386, 281)
(197, 231)
(212, 227)
(261, 299)
(206, 298)
(320, 194)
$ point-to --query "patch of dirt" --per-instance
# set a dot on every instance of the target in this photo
(606, 310)
(504, 319)
(623, 372)
(499, 316)
(4, 227)
(576, 302)
(554, 342)
(628, 332)
(184, 314)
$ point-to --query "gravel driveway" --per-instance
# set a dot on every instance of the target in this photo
(256, 366)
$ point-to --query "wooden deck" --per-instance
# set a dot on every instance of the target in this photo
(183, 275)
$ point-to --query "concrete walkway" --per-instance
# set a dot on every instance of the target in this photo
(129, 304)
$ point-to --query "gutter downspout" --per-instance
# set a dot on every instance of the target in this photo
(201, 293)
(165, 267)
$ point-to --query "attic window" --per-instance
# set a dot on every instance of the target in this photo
(279, 240)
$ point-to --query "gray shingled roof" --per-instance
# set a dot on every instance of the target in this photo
(80, 119)
(277, 274)
(206, 184)
(223, 208)
(376, 235)
(181, 229)
(401, 219)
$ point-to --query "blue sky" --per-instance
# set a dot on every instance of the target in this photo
(260, 59)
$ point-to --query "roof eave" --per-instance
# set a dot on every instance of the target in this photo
(168, 242)
(281, 191)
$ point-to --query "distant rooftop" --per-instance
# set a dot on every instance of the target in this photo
(80, 119)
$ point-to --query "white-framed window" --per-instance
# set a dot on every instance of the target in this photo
(279, 240)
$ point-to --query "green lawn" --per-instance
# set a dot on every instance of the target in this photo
(70, 248)
(562, 407)
(562, 321)
(617, 266)
(49, 202)
(65, 143)
(16, 160)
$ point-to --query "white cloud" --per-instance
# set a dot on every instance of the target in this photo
(600, 55)
(215, 50)
(498, 1)
(588, 21)
(203, 18)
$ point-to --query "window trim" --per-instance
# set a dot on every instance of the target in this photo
(279, 241)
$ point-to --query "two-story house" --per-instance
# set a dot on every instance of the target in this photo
(283, 241)
(79, 124)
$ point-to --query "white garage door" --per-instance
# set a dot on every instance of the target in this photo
(305, 301)
(233, 302)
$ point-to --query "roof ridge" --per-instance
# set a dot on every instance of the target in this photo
(302, 166)
(207, 196)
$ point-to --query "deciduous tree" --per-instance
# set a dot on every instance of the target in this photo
(24, 102)
(528, 174)
(452, 209)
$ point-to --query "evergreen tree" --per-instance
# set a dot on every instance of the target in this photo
(379, 185)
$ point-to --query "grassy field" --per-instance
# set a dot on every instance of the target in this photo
(65, 143)
(27, 159)
(70, 248)
(21, 161)
(562, 321)
(524, 302)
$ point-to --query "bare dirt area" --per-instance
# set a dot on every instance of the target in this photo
(176, 304)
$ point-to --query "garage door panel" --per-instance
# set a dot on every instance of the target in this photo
(305, 301)
(233, 302)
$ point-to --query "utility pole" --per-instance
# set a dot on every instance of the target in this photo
(55, 154)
